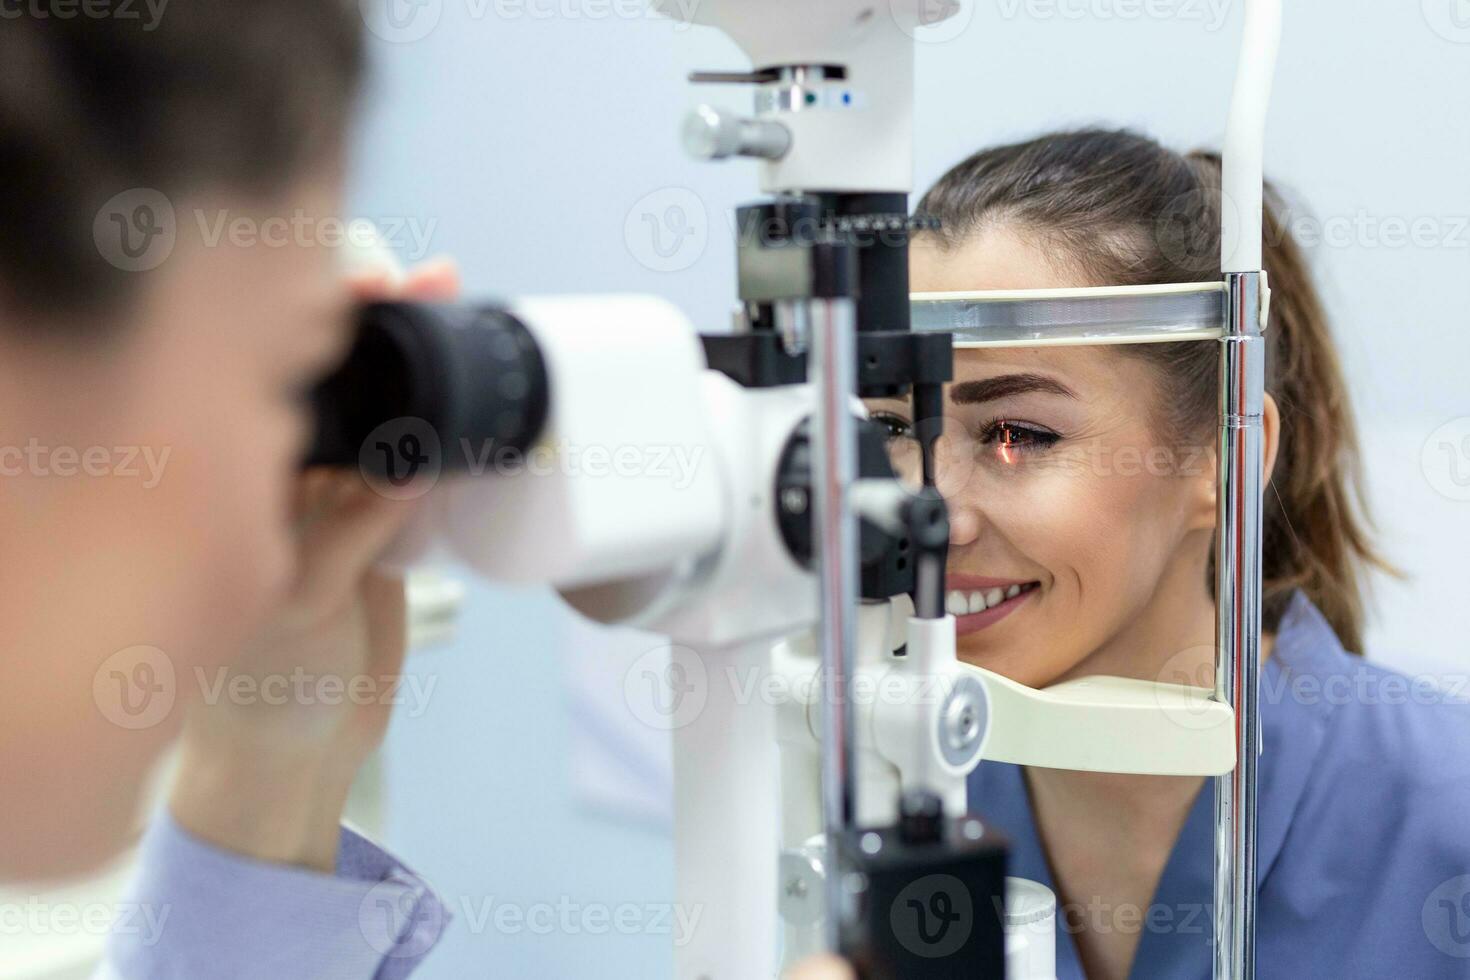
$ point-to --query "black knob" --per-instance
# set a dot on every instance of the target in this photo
(920, 817)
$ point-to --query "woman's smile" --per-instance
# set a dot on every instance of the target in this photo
(977, 602)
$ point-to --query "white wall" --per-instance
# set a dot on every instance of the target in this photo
(529, 145)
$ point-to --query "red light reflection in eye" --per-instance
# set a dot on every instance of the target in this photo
(1007, 450)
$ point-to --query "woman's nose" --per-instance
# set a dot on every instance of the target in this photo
(964, 523)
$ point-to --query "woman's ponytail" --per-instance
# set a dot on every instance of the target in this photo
(1316, 535)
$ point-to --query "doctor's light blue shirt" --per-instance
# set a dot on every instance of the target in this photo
(1363, 837)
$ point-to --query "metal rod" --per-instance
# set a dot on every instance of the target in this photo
(929, 577)
(1093, 315)
(834, 369)
(1238, 621)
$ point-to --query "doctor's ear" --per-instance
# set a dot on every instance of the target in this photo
(1206, 478)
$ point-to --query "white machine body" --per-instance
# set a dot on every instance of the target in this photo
(620, 484)
(853, 133)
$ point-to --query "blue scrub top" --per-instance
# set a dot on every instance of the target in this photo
(1363, 835)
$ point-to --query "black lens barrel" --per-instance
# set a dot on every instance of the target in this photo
(473, 374)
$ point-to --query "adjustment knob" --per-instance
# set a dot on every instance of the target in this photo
(714, 134)
(920, 817)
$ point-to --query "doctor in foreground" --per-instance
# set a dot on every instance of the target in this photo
(152, 416)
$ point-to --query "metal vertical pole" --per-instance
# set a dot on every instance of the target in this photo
(1238, 621)
(834, 368)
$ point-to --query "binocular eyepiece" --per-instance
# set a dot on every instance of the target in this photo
(456, 375)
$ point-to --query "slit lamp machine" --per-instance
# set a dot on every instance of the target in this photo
(833, 814)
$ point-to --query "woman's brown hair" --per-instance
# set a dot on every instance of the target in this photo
(1127, 211)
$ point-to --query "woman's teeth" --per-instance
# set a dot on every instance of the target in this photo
(958, 602)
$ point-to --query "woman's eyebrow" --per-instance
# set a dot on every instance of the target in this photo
(1005, 385)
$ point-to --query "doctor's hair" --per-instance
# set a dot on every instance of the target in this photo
(1123, 210)
(197, 97)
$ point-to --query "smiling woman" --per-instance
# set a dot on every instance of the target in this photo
(1081, 487)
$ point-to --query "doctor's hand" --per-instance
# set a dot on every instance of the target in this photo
(268, 775)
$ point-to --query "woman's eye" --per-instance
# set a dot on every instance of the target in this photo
(1012, 438)
(893, 426)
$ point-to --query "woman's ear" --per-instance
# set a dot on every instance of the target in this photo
(1271, 416)
(1206, 480)
(1203, 483)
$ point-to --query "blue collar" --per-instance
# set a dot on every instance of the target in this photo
(1176, 942)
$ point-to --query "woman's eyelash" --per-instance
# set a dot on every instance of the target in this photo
(1017, 436)
(1007, 435)
(896, 427)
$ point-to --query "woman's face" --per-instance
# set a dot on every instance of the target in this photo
(1076, 532)
(144, 515)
